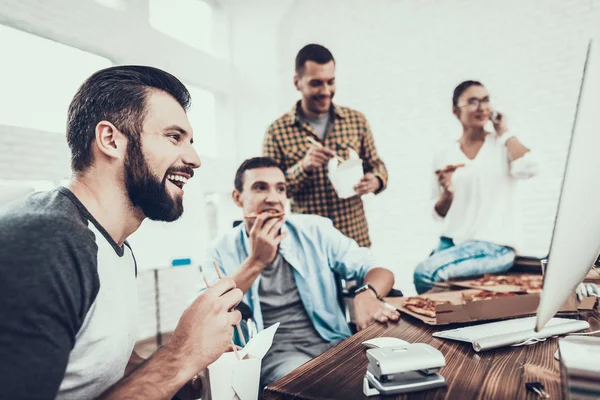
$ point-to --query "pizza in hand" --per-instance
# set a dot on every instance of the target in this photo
(272, 214)
(449, 168)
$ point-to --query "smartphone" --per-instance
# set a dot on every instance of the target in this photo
(495, 117)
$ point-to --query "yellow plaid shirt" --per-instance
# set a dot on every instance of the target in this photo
(312, 192)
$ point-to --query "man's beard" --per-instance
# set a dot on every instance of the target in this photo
(147, 191)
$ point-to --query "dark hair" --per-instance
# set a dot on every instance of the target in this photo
(253, 163)
(312, 52)
(118, 95)
(460, 89)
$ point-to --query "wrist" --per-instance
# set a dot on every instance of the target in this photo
(305, 168)
(174, 357)
(255, 264)
(366, 288)
(366, 295)
(447, 195)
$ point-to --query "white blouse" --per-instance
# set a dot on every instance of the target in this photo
(485, 206)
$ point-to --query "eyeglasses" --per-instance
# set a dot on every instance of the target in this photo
(474, 103)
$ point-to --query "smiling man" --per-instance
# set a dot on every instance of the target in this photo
(68, 290)
(286, 267)
(335, 130)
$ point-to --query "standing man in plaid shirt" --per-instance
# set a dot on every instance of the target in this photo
(338, 129)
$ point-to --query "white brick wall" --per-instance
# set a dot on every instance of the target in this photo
(177, 288)
(32, 154)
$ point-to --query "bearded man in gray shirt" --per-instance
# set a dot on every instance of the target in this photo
(67, 286)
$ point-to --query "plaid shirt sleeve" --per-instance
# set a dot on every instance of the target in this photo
(295, 175)
(371, 161)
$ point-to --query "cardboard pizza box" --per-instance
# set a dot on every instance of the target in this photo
(588, 303)
(499, 308)
(593, 276)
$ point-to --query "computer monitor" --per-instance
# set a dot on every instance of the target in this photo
(576, 238)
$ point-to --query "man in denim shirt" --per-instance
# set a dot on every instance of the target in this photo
(285, 266)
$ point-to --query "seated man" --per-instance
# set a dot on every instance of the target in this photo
(285, 266)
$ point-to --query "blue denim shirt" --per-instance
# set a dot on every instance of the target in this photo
(315, 249)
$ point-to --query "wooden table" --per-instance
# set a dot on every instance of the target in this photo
(494, 374)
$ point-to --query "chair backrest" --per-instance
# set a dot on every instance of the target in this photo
(341, 286)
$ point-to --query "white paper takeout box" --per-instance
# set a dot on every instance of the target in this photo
(346, 175)
(231, 379)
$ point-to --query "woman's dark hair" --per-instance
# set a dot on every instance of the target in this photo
(460, 89)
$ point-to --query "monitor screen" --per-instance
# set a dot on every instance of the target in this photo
(576, 238)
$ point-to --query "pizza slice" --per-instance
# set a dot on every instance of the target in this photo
(423, 305)
(498, 280)
(449, 168)
(531, 283)
(272, 214)
(527, 282)
(485, 295)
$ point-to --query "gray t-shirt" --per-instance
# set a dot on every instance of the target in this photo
(68, 300)
(296, 340)
(320, 125)
(281, 302)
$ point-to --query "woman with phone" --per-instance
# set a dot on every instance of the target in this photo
(475, 181)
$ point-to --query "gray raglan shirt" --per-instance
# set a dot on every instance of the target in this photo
(68, 301)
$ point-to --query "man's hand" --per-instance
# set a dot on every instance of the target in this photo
(500, 124)
(316, 157)
(205, 328)
(265, 237)
(368, 309)
(368, 184)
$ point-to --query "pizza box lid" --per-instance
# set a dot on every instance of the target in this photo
(593, 276)
(458, 312)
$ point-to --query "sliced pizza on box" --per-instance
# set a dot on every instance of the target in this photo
(517, 283)
(470, 305)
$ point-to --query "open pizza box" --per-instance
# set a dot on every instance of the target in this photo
(593, 276)
(519, 283)
(459, 311)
